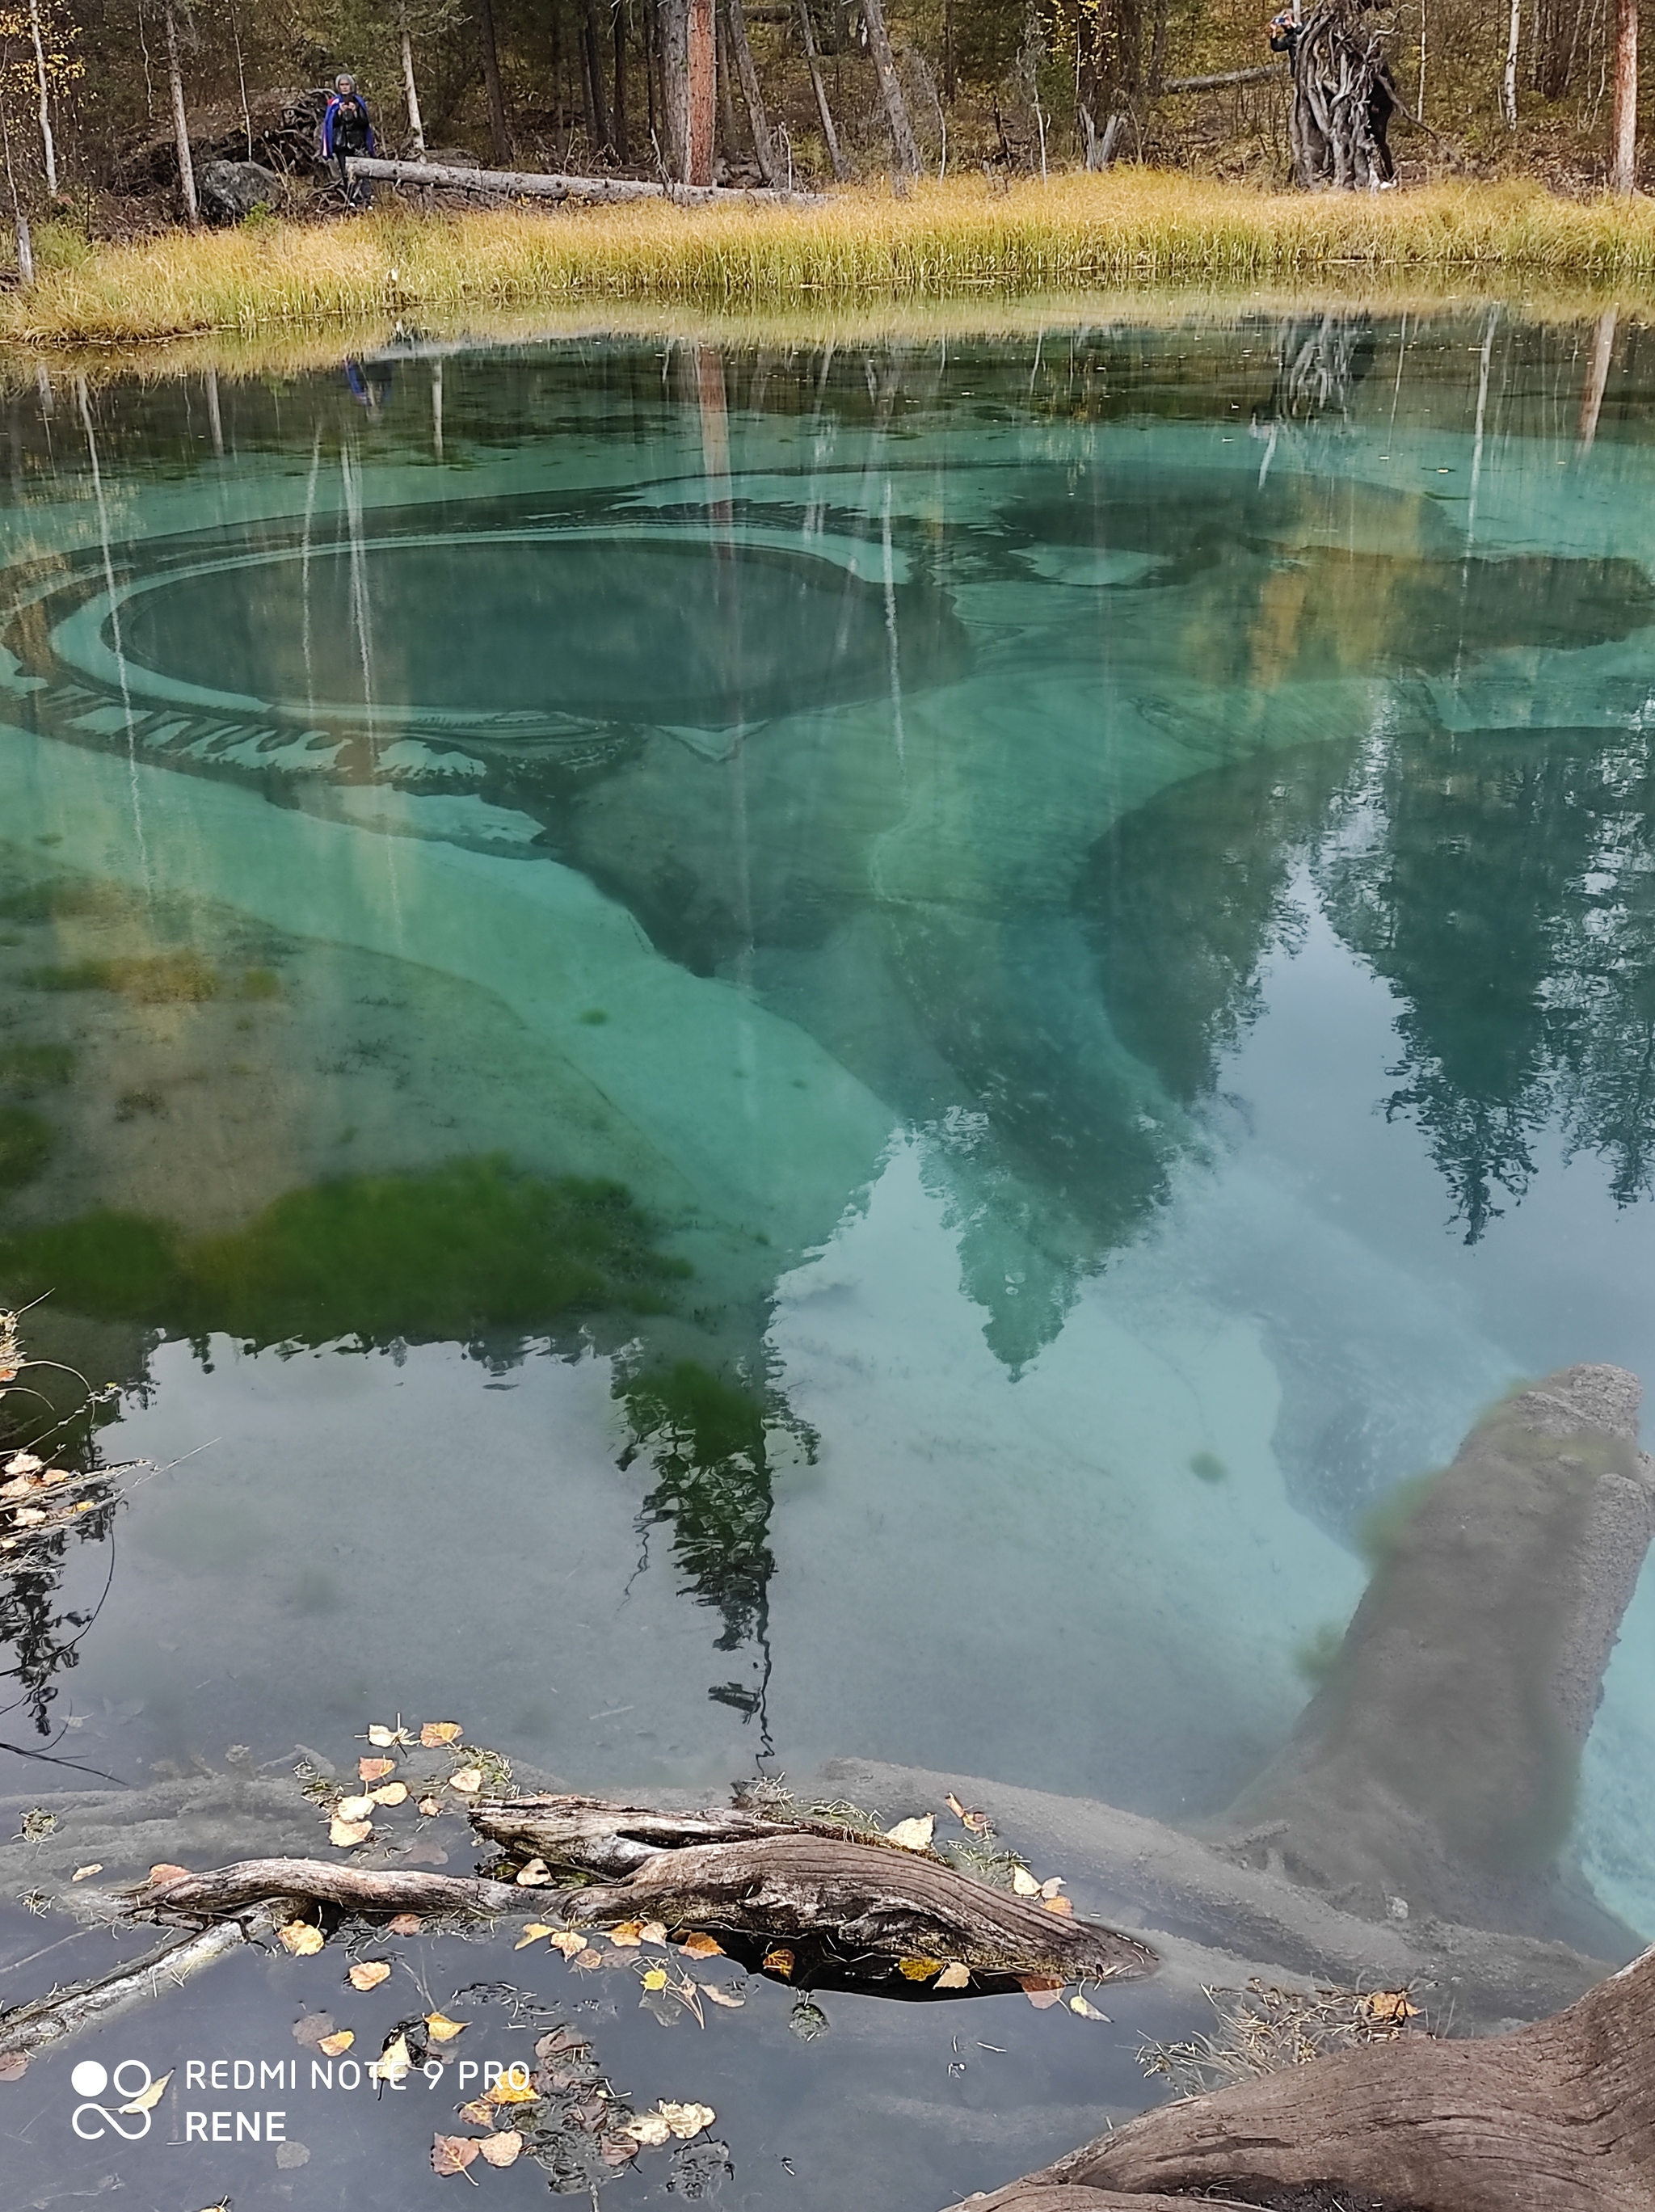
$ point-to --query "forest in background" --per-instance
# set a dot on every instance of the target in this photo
(805, 89)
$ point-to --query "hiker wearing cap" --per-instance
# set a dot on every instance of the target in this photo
(346, 130)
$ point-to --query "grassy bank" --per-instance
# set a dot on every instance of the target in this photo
(1130, 226)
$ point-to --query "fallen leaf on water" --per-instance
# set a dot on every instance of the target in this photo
(369, 1974)
(1058, 1905)
(436, 1734)
(14, 2065)
(353, 1808)
(1040, 1990)
(721, 1996)
(86, 1873)
(300, 1938)
(382, 1738)
(347, 1833)
(957, 1976)
(1024, 1882)
(374, 1770)
(652, 1931)
(703, 1946)
(453, 2153)
(507, 2091)
(535, 1875)
(430, 1808)
(655, 1978)
(586, 1961)
(778, 1960)
(533, 1933)
(24, 1463)
(389, 1793)
(501, 2149)
(1086, 2011)
(686, 2120)
(168, 1872)
(918, 1969)
(147, 2099)
(913, 1835)
(480, 2114)
(1051, 1888)
(312, 2027)
(331, 2045)
(442, 2029)
(405, 1924)
(393, 2063)
(468, 1781)
(567, 1940)
(968, 1817)
(649, 2128)
(629, 1934)
(617, 2150)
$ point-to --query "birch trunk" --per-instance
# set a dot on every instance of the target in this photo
(48, 147)
(1623, 125)
(180, 120)
(411, 92)
(890, 88)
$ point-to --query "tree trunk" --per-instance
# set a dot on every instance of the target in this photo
(1623, 123)
(752, 95)
(490, 50)
(599, 119)
(180, 119)
(411, 92)
(1343, 100)
(1509, 88)
(1556, 2117)
(621, 147)
(890, 88)
(48, 147)
(813, 64)
(701, 91)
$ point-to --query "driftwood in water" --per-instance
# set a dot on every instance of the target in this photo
(1556, 2118)
(1438, 1763)
(32, 2027)
(533, 183)
(800, 1878)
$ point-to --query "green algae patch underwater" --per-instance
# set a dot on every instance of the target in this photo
(448, 1255)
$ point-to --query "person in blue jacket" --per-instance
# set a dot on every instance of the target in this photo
(346, 130)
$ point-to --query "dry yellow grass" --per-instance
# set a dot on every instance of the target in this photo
(1130, 226)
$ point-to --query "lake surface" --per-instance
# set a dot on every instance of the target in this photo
(749, 1056)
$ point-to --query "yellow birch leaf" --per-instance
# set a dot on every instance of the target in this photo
(652, 1931)
(389, 1792)
(353, 1808)
(686, 2120)
(1050, 1888)
(86, 1873)
(655, 1978)
(436, 1734)
(918, 1969)
(1040, 1990)
(532, 1934)
(349, 1833)
(442, 2029)
(147, 2099)
(405, 1924)
(703, 1946)
(341, 2040)
(649, 2129)
(507, 2091)
(165, 1871)
(369, 1974)
(567, 1941)
(535, 1875)
(480, 2114)
(913, 1835)
(501, 2149)
(374, 1770)
(393, 2063)
(628, 1935)
(587, 1959)
(382, 1738)
(956, 1977)
(1086, 2011)
(1058, 1905)
(721, 1996)
(299, 1938)
(1024, 1882)
(467, 1780)
(779, 1960)
(430, 1808)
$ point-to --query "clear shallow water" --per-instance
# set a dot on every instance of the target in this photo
(1086, 904)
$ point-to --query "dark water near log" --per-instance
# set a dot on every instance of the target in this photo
(748, 1056)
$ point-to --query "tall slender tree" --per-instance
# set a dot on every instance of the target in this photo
(181, 115)
(1623, 121)
(890, 88)
(490, 56)
(752, 95)
(48, 144)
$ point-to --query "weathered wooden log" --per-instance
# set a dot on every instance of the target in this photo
(1559, 2117)
(792, 1879)
(1437, 1764)
(533, 183)
(175, 1895)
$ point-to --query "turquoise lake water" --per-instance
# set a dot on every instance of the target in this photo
(750, 1056)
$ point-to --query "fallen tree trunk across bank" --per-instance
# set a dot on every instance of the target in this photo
(533, 183)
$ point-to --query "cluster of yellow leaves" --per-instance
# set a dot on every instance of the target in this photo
(454, 2154)
(351, 1818)
(33, 1501)
(1025, 1884)
(653, 2129)
(1392, 2007)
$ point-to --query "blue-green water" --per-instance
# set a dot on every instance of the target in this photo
(829, 1051)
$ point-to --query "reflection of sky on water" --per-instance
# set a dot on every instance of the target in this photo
(1002, 1030)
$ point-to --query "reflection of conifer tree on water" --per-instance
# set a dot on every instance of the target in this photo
(1503, 883)
(709, 1442)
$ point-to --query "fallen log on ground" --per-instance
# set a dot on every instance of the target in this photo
(534, 183)
(1559, 2117)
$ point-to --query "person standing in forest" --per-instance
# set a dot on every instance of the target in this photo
(346, 130)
